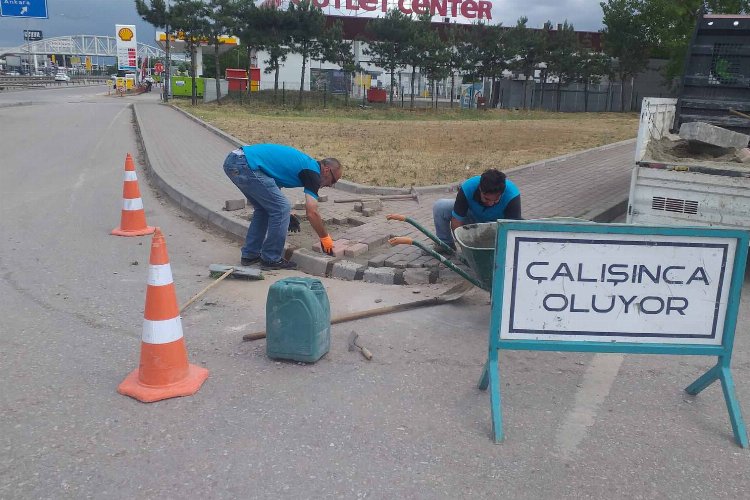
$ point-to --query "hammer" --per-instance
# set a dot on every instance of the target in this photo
(413, 195)
(353, 346)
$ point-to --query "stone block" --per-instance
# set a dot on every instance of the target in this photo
(374, 240)
(713, 135)
(356, 249)
(372, 205)
(230, 205)
(339, 247)
(340, 220)
(421, 276)
(299, 205)
(419, 262)
(312, 263)
(357, 206)
(382, 275)
(369, 212)
(347, 270)
(322, 198)
(377, 261)
(743, 155)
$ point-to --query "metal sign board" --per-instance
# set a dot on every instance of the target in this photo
(32, 35)
(127, 47)
(616, 288)
(24, 8)
(586, 287)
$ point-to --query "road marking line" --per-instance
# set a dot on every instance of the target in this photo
(595, 387)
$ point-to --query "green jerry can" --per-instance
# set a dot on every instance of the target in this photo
(298, 320)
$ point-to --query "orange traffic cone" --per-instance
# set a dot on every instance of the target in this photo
(164, 371)
(133, 218)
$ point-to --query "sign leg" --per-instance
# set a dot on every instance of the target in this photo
(733, 407)
(704, 380)
(495, 400)
(484, 379)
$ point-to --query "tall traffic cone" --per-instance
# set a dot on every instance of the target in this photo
(164, 371)
(133, 218)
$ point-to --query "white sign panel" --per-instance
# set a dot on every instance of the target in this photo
(127, 47)
(616, 287)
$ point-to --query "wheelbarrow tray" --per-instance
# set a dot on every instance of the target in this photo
(477, 245)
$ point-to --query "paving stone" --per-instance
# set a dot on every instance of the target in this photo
(713, 135)
(421, 261)
(356, 249)
(340, 220)
(312, 263)
(357, 206)
(369, 212)
(420, 276)
(374, 240)
(377, 261)
(347, 270)
(322, 198)
(299, 205)
(339, 247)
(383, 275)
(372, 204)
(231, 205)
(743, 155)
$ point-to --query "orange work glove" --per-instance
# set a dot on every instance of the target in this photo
(326, 243)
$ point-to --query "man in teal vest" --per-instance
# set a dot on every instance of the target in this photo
(260, 171)
(482, 198)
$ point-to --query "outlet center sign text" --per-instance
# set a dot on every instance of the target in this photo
(470, 9)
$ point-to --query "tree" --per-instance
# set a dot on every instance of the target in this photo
(528, 48)
(669, 25)
(486, 54)
(389, 37)
(220, 18)
(592, 66)
(437, 61)
(190, 20)
(307, 24)
(336, 50)
(563, 60)
(624, 40)
(156, 13)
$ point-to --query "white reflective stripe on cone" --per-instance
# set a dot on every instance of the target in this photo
(132, 204)
(159, 274)
(162, 332)
(130, 175)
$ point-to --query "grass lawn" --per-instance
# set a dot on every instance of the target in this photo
(396, 147)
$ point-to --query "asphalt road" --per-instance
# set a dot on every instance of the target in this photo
(409, 424)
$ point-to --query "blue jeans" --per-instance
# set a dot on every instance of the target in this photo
(267, 232)
(442, 212)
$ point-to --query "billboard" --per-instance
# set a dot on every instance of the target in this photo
(127, 47)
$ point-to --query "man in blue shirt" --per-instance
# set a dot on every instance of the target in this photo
(484, 198)
(260, 171)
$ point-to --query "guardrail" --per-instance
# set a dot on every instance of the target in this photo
(17, 82)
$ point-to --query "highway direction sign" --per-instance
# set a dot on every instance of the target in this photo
(24, 8)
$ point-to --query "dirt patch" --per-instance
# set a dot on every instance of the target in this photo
(682, 151)
(425, 148)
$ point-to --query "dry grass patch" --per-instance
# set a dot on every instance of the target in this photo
(434, 147)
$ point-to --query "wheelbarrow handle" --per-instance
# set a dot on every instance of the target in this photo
(447, 250)
(400, 240)
(398, 217)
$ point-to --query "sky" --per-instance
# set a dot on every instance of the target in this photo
(98, 17)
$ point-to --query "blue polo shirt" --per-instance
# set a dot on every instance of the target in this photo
(289, 167)
(479, 212)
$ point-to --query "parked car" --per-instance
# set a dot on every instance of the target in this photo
(62, 77)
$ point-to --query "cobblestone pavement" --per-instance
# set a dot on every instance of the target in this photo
(185, 155)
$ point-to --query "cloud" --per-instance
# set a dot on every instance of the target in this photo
(585, 15)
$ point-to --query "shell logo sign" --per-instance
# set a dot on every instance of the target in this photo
(125, 34)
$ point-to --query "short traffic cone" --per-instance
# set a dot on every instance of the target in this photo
(164, 371)
(133, 218)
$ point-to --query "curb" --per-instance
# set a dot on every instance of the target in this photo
(16, 104)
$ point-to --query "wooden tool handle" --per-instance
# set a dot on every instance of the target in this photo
(254, 336)
(366, 353)
(199, 294)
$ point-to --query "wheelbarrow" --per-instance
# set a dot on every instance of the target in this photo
(476, 244)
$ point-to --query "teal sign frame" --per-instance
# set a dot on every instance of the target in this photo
(740, 240)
